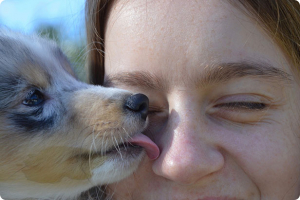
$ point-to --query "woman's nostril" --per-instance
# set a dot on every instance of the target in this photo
(138, 103)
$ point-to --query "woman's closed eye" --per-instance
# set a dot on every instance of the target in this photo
(155, 110)
(254, 106)
(158, 116)
(240, 108)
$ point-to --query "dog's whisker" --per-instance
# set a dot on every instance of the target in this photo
(102, 145)
(122, 141)
(129, 137)
(106, 144)
(94, 139)
(117, 147)
(127, 134)
(90, 159)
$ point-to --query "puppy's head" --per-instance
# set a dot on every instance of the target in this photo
(59, 136)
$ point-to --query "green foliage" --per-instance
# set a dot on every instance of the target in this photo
(50, 32)
(74, 49)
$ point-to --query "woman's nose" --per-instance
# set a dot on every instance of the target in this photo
(188, 153)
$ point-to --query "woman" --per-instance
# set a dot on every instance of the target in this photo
(223, 83)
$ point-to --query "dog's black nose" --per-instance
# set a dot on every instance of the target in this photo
(138, 103)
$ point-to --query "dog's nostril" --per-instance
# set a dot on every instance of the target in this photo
(138, 103)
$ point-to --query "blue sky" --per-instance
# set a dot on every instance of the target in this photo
(26, 15)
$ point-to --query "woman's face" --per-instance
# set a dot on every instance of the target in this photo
(223, 101)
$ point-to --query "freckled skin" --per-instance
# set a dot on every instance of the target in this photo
(208, 149)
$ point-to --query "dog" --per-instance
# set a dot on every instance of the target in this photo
(59, 137)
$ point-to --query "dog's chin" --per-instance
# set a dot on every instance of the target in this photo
(116, 165)
(120, 163)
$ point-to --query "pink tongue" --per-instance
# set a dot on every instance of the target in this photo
(151, 148)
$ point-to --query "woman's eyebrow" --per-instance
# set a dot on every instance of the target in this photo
(226, 71)
(140, 79)
(218, 73)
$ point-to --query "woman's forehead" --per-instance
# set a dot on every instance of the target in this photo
(205, 33)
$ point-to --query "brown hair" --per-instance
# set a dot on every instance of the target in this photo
(96, 13)
(280, 18)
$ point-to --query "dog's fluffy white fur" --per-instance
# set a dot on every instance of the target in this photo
(58, 136)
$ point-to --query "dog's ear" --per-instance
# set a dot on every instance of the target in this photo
(65, 63)
(9, 50)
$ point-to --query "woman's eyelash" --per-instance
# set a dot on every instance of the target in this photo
(153, 111)
(243, 105)
(156, 110)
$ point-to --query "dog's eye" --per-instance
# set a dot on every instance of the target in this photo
(34, 98)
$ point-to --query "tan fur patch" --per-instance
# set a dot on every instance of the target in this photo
(35, 75)
(101, 115)
(51, 165)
